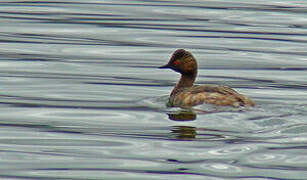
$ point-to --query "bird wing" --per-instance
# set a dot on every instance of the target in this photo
(211, 94)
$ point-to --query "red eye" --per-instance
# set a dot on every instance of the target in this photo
(175, 62)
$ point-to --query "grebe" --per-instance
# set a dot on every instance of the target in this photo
(185, 94)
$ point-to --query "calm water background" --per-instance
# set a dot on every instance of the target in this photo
(81, 97)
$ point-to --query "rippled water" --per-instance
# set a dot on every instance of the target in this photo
(81, 97)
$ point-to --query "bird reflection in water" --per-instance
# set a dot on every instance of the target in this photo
(183, 132)
(189, 114)
(193, 133)
(182, 116)
(190, 132)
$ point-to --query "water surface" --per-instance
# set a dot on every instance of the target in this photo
(81, 97)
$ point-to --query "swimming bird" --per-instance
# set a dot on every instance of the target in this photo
(186, 94)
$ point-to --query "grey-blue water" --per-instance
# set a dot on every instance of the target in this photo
(81, 97)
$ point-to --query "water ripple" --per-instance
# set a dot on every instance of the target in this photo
(81, 97)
